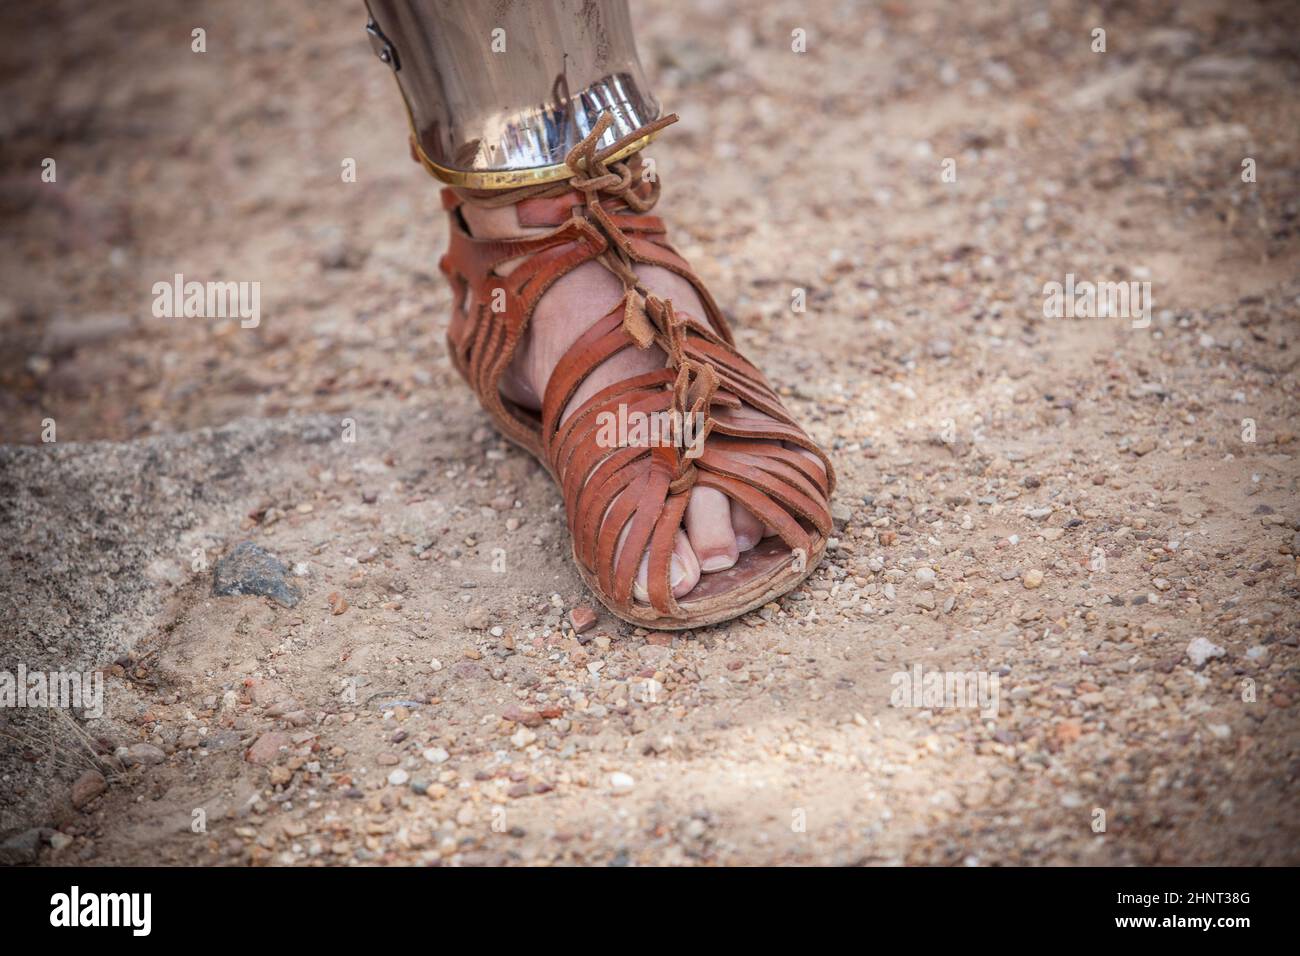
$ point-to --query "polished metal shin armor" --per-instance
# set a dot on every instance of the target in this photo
(499, 91)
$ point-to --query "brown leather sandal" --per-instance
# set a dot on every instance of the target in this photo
(599, 214)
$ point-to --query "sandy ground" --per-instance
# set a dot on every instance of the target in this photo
(1075, 506)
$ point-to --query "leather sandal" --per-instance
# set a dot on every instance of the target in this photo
(600, 214)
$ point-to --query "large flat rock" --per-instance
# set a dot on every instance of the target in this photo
(99, 541)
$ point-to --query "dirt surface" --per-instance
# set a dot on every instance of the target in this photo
(1074, 506)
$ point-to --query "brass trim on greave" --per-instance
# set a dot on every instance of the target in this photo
(512, 178)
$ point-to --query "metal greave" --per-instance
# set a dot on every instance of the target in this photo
(499, 91)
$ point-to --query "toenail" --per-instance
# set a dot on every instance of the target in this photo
(744, 542)
(678, 574)
(717, 562)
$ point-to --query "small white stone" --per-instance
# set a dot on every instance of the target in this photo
(1200, 650)
(621, 782)
(436, 755)
(398, 777)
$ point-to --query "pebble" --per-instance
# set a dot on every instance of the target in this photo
(145, 755)
(477, 619)
(583, 619)
(263, 692)
(436, 755)
(1200, 650)
(20, 848)
(340, 254)
(1033, 579)
(249, 569)
(267, 747)
(398, 777)
(529, 718)
(621, 783)
(88, 786)
(522, 737)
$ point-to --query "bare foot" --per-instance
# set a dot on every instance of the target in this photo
(716, 530)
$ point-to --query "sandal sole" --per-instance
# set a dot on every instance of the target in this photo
(752, 592)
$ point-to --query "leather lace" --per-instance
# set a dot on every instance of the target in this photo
(647, 318)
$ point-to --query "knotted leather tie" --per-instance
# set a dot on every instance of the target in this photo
(647, 319)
